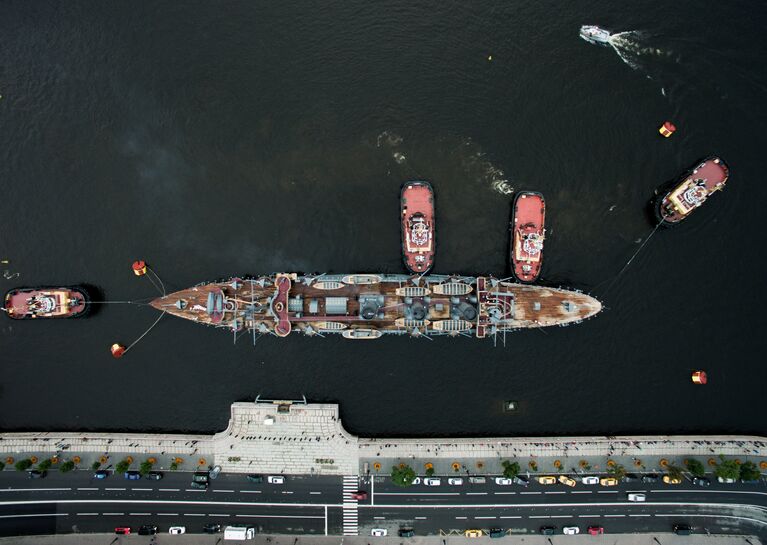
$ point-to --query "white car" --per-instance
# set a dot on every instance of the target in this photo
(379, 532)
(432, 481)
(275, 479)
(177, 530)
(571, 530)
(417, 480)
(725, 480)
(455, 481)
(502, 481)
(590, 480)
(636, 497)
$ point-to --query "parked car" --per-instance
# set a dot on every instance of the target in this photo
(701, 481)
(650, 478)
(147, 530)
(132, 475)
(101, 474)
(547, 479)
(571, 530)
(567, 481)
(497, 532)
(608, 481)
(477, 480)
(416, 480)
(668, 479)
(502, 481)
(122, 531)
(630, 478)
(473, 533)
(199, 486)
(154, 475)
(634, 496)
(379, 532)
(521, 481)
(406, 532)
(596, 530)
(214, 472)
(725, 480)
(359, 495)
(455, 481)
(211, 528)
(548, 530)
(590, 480)
(255, 478)
(200, 477)
(432, 481)
(36, 474)
(275, 479)
(682, 530)
(177, 530)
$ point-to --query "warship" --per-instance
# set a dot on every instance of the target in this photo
(368, 306)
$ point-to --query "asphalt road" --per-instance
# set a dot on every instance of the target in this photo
(75, 502)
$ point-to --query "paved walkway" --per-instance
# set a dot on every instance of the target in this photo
(297, 438)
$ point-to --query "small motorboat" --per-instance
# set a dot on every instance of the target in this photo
(595, 35)
(417, 216)
(691, 191)
(27, 303)
(527, 235)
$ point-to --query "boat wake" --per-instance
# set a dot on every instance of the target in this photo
(633, 49)
(482, 170)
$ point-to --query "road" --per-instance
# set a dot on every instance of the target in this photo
(320, 505)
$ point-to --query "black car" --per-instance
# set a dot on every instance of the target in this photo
(211, 528)
(406, 532)
(154, 475)
(255, 478)
(147, 530)
(650, 478)
(548, 530)
(201, 486)
(201, 477)
(630, 478)
(682, 530)
(36, 474)
(520, 481)
(701, 481)
(497, 532)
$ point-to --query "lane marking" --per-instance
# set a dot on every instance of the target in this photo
(195, 490)
(461, 518)
(86, 514)
(607, 491)
(33, 489)
(640, 515)
(511, 517)
(315, 493)
(555, 492)
(416, 494)
(169, 490)
(140, 514)
(282, 516)
(36, 515)
(508, 493)
(228, 491)
(419, 518)
(561, 516)
(250, 491)
(168, 514)
(194, 514)
(484, 517)
(87, 488)
(530, 492)
(614, 516)
(114, 489)
(582, 492)
(539, 516)
(113, 514)
(379, 518)
(588, 516)
(142, 489)
(477, 493)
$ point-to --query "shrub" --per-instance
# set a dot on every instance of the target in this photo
(675, 472)
(67, 466)
(45, 465)
(749, 471)
(2, 466)
(145, 467)
(122, 466)
(429, 471)
(173, 466)
(617, 471)
(510, 469)
(23, 465)
(402, 476)
(95, 465)
(727, 469)
(695, 467)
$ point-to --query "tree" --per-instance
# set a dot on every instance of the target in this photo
(145, 467)
(727, 469)
(23, 465)
(2, 466)
(122, 466)
(402, 476)
(95, 465)
(510, 469)
(695, 467)
(173, 466)
(67, 466)
(675, 472)
(45, 465)
(429, 471)
(749, 471)
(617, 471)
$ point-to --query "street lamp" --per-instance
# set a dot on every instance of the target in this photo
(655, 539)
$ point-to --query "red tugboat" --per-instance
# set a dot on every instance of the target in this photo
(691, 191)
(417, 205)
(27, 303)
(528, 234)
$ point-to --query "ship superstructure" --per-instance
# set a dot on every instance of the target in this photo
(368, 306)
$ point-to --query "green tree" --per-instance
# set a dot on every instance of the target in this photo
(695, 467)
(145, 467)
(617, 471)
(173, 466)
(749, 471)
(67, 466)
(675, 472)
(122, 466)
(510, 469)
(95, 465)
(429, 471)
(23, 465)
(402, 476)
(45, 465)
(727, 469)
(2, 466)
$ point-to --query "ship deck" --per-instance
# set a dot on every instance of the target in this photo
(713, 172)
(418, 197)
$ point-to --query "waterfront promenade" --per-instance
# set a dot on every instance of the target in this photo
(297, 438)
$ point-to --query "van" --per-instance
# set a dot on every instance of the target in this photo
(239, 533)
(636, 497)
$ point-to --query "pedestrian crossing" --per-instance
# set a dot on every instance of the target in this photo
(350, 511)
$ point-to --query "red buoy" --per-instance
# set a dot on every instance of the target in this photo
(139, 268)
(117, 350)
(667, 129)
(699, 377)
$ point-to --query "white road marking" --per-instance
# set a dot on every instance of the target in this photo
(484, 517)
(507, 493)
(194, 514)
(477, 493)
(539, 516)
(168, 514)
(35, 515)
(530, 492)
(640, 515)
(461, 518)
(588, 516)
(140, 514)
(418, 494)
(168, 489)
(379, 518)
(114, 489)
(282, 516)
(250, 491)
(512, 517)
(607, 491)
(561, 516)
(86, 514)
(555, 492)
(315, 493)
(420, 518)
(195, 490)
(227, 491)
(614, 515)
(142, 489)
(581, 492)
(112, 514)
(33, 489)
(87, 488)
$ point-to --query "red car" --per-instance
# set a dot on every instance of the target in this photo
(596, 530)
(359, 495)
(122, 531)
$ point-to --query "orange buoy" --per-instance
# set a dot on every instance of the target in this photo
(699, 377)
(139, 268)
(117, 350)
(667, 129)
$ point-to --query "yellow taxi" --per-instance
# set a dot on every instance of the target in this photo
(608, 481)
(547, 479)
(564, 479)
(473, 533)
(668, 479)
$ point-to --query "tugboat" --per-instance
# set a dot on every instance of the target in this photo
(417, 211)
(28, 303)
(691, 191)
(595, 35)
(527, 236)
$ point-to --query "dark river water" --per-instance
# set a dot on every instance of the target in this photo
(230, 138)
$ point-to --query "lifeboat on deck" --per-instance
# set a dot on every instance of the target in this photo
(361, 333)
(417, 216)
(527, 235)
(361, 279)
